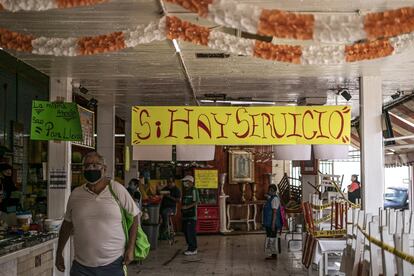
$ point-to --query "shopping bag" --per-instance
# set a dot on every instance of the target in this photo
(142, 246)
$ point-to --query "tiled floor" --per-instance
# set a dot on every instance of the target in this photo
(220, 255)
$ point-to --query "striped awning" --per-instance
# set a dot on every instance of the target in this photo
(355, 139)
(402, 122)
(401, 128)
(404, 110)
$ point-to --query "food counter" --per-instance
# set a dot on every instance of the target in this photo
(28, 255)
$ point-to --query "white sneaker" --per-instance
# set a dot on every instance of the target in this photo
(190, 253)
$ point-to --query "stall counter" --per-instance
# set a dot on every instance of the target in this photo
(36, 260)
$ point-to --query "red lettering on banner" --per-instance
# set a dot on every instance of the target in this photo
(239, 121)
(144, 111)
(342, 124)
(254, 125)
(202, 125)
(321, 135)
(185, 121)
(294, 134)
(221, 125)
(267, 124)
(274, 127)
(158, 124)
(303, 125)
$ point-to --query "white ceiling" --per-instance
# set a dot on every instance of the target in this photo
(152, 74)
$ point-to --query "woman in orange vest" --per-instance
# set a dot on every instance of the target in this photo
(354, 189)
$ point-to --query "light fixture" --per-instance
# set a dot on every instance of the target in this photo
(92, 103)
(238, 102)
(397, 95)
(344, 92)
(120, 135)
(177, 47)
(83, 90)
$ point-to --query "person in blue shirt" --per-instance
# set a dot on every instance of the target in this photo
(271, 222)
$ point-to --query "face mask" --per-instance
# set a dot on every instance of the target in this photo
(92, 176)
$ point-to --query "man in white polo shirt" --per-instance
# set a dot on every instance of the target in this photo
(94, 218)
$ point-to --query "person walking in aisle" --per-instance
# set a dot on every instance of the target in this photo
(94, 218)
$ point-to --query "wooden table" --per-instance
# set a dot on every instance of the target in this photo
(248, 205)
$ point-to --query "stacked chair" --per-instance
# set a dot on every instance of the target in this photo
(326, 217)
(324, 222)
(381, 244)
(291, 198)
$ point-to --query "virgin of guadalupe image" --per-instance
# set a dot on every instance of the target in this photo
(243, 168)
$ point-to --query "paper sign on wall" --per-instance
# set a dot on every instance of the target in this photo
(206, 179)
(55, 121)
(175, 125)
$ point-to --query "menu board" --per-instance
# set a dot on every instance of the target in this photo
(206, 179)
(87, 119)
(57, 121)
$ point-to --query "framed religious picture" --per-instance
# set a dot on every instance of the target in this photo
(309, 167)
(241, 167)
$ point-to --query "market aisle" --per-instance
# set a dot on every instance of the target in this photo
(220, 255)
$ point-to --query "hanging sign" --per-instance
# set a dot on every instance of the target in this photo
(206, 179)
(87, 119)
(175, 125)
(55, 121)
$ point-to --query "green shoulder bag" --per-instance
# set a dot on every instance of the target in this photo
(142, 246)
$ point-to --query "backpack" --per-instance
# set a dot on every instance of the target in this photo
(283, 216)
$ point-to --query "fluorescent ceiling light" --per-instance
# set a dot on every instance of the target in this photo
(245, 102)
(115, 135)
(238, 102)
(177, 47)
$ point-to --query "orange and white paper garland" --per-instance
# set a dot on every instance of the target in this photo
(42, 5)
(290, 25)
(174, 28)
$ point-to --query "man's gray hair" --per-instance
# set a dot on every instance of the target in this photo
(94, 154)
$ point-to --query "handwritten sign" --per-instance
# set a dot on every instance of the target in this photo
(163, 125)
(55, 121)
(206, 179)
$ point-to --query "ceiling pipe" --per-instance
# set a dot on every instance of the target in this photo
(180, 59)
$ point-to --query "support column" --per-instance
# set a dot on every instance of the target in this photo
(411, 187)
(106, 134)
(372, 147)
(133, 170)
(59, 160)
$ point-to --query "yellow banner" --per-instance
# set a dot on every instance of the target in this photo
(175, 125)
(206, 179)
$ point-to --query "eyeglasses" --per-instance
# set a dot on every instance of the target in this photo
(93, 166)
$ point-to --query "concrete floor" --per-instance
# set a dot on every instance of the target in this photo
(221, 255)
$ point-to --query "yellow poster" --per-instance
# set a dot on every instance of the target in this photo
(194, 125)
(206, 179)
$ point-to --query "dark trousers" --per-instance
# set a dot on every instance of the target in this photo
(165, 214)
(270, 233)
(112, 269)
(189, 229)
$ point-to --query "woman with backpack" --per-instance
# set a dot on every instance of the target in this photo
(272, 221)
